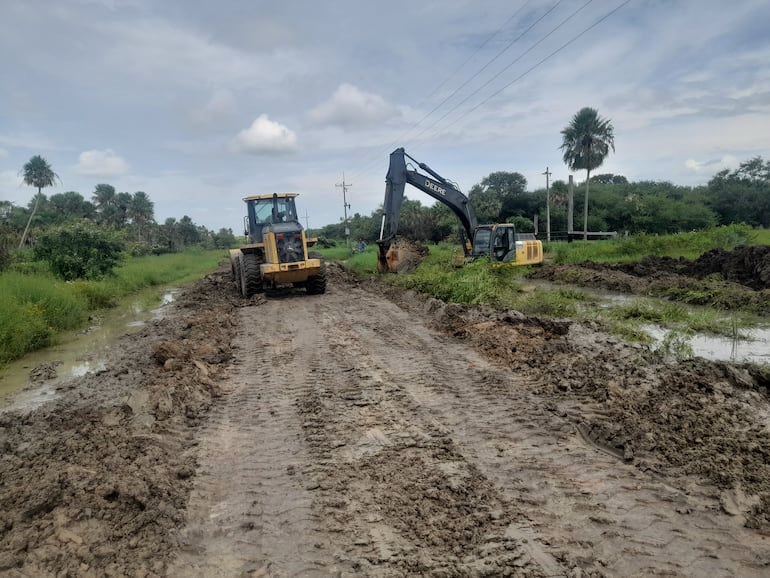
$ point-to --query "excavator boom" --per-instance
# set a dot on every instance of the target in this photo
(435, 185)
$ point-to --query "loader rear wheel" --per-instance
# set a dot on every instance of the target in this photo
(251, 276)
(316, 285)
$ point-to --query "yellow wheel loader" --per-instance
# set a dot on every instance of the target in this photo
(277, 249)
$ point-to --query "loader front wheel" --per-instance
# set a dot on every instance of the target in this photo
(251, 277)
(316, 285)
(235, 266)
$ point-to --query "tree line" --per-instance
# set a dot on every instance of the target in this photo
(738, 196)
(131, 215)
(741, 195)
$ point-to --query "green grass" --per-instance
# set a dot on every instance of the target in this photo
(35, 306)
(633, 248)
(502, 285)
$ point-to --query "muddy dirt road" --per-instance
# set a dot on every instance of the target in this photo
(369, 432)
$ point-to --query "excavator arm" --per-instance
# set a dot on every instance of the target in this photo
(434, 185)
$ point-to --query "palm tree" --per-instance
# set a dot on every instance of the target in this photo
(586, 142)
(37, 173)
(104, 200)
(141, 211)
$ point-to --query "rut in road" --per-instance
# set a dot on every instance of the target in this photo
(356, 440)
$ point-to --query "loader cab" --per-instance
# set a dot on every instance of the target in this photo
(268, 211)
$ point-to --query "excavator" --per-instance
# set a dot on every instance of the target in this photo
(499, 242)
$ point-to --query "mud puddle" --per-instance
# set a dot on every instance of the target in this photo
(35, 377)
(753, 346)
(750, 344)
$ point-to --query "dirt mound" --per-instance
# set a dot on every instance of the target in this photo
(748, 265)
(729, 280)
(94, 482)
(693, 418)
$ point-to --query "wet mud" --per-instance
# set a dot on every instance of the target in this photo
(375, 432)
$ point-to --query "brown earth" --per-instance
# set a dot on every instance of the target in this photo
(372, 432)
(735, 279)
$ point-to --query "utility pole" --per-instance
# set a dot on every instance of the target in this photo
(345, 206)
(571, 205)
(547, 174)
(307, 221)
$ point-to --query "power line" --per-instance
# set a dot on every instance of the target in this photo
(522, 75)
(522, 55)
(537, 64)
(401, 138)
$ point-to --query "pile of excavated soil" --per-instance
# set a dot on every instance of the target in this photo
(690, 418)
(747, 265)
(737, 279)
(99, 478)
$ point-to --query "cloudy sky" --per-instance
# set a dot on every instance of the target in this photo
(200, 103)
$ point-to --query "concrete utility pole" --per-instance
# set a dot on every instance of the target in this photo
(345, 206)
(570, 204)
(307, 221)
(547, 174)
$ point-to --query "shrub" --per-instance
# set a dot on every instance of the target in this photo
(80, 251)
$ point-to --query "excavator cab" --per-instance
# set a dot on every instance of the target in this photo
(503, 244)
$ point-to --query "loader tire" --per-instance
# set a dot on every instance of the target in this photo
(235, 267)
(316, 285)
(251, 276)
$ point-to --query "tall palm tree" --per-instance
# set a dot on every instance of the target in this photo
(104, 200)
(141, 211)
(586, 142)
(37, 173)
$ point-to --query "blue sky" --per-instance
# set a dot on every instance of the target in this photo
(199, 104)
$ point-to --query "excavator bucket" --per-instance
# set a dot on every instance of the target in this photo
(385, 257)
(388, 263)
(400, 256)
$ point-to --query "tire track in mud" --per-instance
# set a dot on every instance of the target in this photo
(250, 511)
(358, 441)
(586, 508)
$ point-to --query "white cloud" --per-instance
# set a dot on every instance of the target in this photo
(104, 163)
(351, 107)
(265, 136)
(714, 165)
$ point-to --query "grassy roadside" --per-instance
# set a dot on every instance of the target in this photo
(35, 306)
(633, 248)
(505, 286)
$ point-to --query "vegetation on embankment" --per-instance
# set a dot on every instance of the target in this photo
(505, 286)
(635, 247)
(36, 306)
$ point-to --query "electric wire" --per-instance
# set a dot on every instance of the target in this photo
(537, 64)
(522, 55)
(465, 115)
(464, 84)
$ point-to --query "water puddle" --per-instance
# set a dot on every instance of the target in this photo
(34, 378)
(752, 346)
